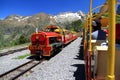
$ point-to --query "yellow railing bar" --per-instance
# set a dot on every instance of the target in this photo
(85, 27)
(111, 40)
(90, 25)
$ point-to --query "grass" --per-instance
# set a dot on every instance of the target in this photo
(26, 44)
(22, 56)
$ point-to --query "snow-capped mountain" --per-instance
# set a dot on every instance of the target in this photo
(69, 17)
(13, 24)
(42, 19)
(17, 18)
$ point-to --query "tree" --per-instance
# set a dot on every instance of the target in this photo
(1, 40)
(77, 25)
(23, 39)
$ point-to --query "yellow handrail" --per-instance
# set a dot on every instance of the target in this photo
(90, 21)
(111, 40)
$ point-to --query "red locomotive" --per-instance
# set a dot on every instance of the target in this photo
(45, 43)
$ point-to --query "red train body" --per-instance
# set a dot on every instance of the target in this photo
(45, 43)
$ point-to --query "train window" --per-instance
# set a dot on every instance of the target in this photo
(52, 40)
(50, 29)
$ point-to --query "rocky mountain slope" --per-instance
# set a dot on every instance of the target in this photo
(69, 17)
(13, 27)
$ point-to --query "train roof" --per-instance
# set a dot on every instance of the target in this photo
(49, 34)
(52, 26)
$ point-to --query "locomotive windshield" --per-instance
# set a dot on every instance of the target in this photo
(52, 40)
(50, 29)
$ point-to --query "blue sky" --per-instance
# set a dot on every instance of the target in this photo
(53, 7)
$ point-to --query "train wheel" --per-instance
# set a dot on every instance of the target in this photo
(52, 53)
(61, 47)
(36, 57)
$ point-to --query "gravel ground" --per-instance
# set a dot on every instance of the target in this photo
(13, 48)
(9, 62)
(66, 65)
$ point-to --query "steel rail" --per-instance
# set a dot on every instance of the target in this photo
(12, 75)
(12, 51)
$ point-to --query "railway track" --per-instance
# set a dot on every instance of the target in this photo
(12, 51)
(20, 70)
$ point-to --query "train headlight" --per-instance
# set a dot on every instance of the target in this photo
(37, 37)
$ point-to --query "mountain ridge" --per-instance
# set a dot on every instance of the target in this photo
(15, 26)
(61, 17)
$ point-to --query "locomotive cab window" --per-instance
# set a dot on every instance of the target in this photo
(52, 40)
(50, 29)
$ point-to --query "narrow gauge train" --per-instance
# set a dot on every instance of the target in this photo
(46, 43)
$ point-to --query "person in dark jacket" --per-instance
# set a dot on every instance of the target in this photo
(97, 33)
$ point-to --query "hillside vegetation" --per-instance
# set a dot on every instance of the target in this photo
(15, 29)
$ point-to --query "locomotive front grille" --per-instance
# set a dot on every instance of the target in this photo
(39, 52)
(34, 47)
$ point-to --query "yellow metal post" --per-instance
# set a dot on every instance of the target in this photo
(90, 21)
(85, 39)
(85, 33)
(90, 44)
(85, 25)
(86, 46)
(85, 29)
(111, 40)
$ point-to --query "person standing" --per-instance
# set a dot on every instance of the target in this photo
(97, 33)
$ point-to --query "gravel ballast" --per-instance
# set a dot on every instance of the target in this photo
(66, 65)
(9, 62)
